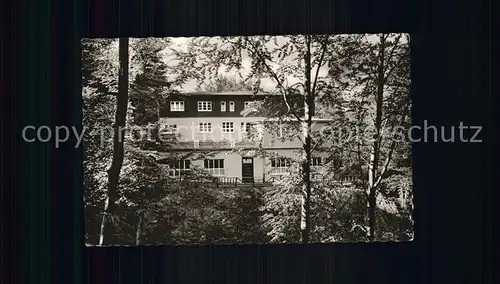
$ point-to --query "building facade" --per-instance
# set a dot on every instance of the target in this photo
(225, 134)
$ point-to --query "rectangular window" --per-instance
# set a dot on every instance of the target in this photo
(247, 127)
(231, 106)
(286, 131)
(178, 167)
(176, 106)
(227, 127)
(222, 106)
(248, 131)
(214, 166)
(171, 129)
(204, 106)
(316, 162)
(280, 165)
(205, 127)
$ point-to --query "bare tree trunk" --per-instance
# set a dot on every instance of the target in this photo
(360, 161)
(156, 134)
(375, 151)
(119, 128)
(305, 220)
(360, 118)
(138, 233)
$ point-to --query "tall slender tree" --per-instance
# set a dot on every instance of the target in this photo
(118, 137)
(373, 73)
(148, 92)
(98, 107)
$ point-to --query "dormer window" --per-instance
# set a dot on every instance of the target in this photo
(231, 106)
(204, 106)
(222, 106)
(251, 105)
(176, 106)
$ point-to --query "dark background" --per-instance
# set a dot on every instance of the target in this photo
(41, 201)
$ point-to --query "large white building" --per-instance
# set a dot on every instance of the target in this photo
(224, 134)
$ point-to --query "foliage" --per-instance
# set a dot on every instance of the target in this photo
(224, 83)
(337, 211)
(180, 212)
(150, 86)
(98, 106)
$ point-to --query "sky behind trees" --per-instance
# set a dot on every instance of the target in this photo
(267, 84)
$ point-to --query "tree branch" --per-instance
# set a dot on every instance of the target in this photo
(275, 76)
(370, 70)
(395, 65)
(319, 65)
(391, 53)
(391, 150)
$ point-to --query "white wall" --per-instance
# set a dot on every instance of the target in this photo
(273, 146)
(187, 129)
(262, 165)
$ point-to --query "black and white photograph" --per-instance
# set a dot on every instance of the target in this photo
(247, 140)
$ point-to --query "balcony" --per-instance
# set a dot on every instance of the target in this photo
(220, 181)
(243, 182)
(213, 145)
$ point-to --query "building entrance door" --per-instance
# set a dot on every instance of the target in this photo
(247, 169)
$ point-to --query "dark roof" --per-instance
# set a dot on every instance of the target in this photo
(232, 93)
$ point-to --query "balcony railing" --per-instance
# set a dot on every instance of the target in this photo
(221, 181)
(236, 181)
(213, 145)
(177, 172)
(216, 172)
